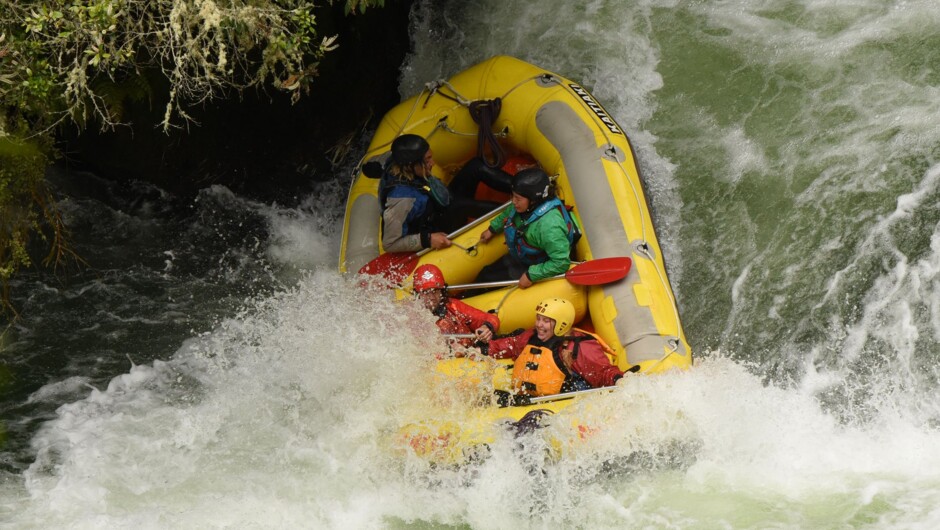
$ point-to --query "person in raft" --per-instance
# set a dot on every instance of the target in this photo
(453, 316)
(553, 357)
(417, 208)
(539, 232)
(413, 200)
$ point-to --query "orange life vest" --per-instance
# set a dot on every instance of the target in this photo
(536, 372)
(539, 372)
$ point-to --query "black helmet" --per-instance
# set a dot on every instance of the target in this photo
(409, 149)
(533, 184)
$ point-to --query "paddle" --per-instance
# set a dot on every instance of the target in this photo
(593, 272)
(395, 266)
(599, 271)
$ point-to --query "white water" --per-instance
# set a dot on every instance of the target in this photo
(280, 417)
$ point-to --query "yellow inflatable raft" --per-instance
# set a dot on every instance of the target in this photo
(566, 130)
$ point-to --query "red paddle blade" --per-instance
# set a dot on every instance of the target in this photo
(599, 271)
(393, 266)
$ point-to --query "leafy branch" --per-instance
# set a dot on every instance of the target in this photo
(56, 53)
(70, 61)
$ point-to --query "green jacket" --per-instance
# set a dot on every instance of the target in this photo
(548, 233)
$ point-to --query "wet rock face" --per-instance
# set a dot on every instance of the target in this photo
(259, 144)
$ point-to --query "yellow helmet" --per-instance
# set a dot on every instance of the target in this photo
(559, 310)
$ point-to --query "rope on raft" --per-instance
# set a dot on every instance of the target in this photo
(484, 112)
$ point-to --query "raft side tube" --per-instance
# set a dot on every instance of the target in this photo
(516, 307)
(638, 320)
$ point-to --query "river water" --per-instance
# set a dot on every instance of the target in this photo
(212, 370)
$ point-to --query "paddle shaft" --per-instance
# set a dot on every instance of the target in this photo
(489, 285)
(569, 395)
(395, 266)
(476, 222)
(632, 370)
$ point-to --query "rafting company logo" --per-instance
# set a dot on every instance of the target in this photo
(597, 108)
